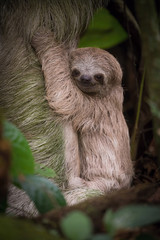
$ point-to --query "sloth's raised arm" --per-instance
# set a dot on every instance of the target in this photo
(60, 95)
(55, 66)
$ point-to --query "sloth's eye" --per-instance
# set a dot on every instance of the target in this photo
(75, 73)
(99, 78)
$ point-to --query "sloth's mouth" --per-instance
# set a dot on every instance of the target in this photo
(86, 84)
(88, 87)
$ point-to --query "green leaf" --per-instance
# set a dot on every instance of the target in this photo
(104, 31)
(76, 226)
(44, 171)
(131, 216)
(41, 191)
(18, 229)
(22, 159)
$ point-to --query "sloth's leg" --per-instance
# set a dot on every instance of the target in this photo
(72, 158)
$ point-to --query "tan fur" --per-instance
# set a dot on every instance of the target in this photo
(97, 150)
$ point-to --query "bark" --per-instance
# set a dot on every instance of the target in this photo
(41, 227)
(96, 208)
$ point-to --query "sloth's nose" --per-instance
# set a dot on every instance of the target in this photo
(86, 79)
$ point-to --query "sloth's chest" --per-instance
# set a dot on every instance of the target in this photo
(100, 155)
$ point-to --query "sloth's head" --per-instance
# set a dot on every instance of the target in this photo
(94, 70)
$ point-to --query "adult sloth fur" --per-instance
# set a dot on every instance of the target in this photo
(22, 90)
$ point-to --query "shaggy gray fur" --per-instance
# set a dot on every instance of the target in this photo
(22, 92)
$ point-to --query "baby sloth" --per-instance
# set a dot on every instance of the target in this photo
(83, 87)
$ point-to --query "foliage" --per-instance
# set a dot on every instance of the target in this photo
(44, 171)
(42, 191)
(22, 159)
(104, 31)
(77, 225)
(130, 217)
(18, 229)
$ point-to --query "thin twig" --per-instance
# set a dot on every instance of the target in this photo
(134, 141)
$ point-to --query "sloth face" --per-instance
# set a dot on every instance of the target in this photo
(94, 70)
(86, 81)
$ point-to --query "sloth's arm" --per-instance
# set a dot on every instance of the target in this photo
(61, 94)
